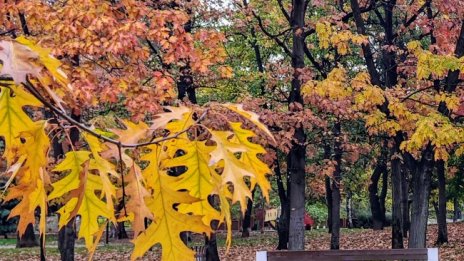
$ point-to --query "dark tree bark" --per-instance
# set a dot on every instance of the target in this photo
(296, 159)
(405, 199)
(121, 231)
(420, 203)
(442, 236)
(328, 198)
(397, 217)
(457, 210)
(328, 189)
(283, 223)
(367, 52)
(336, 197)
(378, 216)
(383, 195)
(66, 241)
(185, 85)
(257, 49)
(28, 239)
(247, 218)
(211, 244)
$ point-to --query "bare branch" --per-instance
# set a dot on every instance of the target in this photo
(274, 37)
(313, 61)
(284, 12)
(416, 92)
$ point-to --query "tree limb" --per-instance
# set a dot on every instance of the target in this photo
(313, 61)
(284, 12)
(274, 37)
(30, 87)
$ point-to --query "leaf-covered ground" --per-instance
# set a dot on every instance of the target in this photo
(245, 249)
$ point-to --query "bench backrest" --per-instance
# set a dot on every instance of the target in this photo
(426, 254)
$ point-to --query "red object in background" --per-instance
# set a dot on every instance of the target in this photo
(308, 221)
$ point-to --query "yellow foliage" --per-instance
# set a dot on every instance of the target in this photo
(329, 36)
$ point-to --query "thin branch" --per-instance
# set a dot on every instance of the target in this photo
(121, 170)
(416, 92)
(274, 37)
(379, 15)
(413, 18)
(79, 125)
(369, 8)
(8, 32)
(284, 12)
(313, 61)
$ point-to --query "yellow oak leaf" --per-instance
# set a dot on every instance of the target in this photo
(167, 225)
(22, 209)
(250, 158)
(104, 167)
(52, 64)
(73, 162)
(198, 179)
(136, 204)
(175, 113)
(13, 119)
(251, 116)
(91, 208)
(133, 132)
(234, 171)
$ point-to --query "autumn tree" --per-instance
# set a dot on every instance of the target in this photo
(104, 167)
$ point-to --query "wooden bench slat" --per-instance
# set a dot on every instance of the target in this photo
(350, 255)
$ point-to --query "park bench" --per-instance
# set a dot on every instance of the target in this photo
(429, 254)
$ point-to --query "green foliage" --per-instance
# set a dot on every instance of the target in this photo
(318, 211)
(455, 186)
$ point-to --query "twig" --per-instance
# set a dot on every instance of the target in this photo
(415, 92)
(121, 169)
(81, 126)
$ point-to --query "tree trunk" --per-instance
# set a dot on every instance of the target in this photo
(374, 199)
(284, 219)
(349, 210)
(336, 198)
(328, 190)
(328, 197)
(66, 240)
(211, 245)
(185, 85)
(121, 231)
(247, 218)
(420, 204)
(397, 217)
(296, 160)
(442, 236)
(28, 239)
(457, 210)
(405, 200)
(383, 195)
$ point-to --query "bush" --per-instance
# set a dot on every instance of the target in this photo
(318, 212)
(363, 220)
